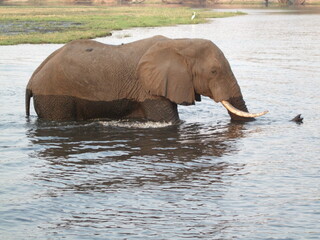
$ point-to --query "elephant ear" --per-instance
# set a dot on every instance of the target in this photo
(162, 71)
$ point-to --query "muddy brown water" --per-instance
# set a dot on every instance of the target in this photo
(204, 179)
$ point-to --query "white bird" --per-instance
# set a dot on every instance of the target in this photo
(193, 15)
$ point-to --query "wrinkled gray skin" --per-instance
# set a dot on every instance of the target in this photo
(145, 79)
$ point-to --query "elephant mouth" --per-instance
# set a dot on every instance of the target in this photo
(240, 113)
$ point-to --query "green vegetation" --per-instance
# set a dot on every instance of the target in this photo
(61, 24)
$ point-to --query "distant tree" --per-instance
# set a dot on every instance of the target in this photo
(172, 1)
(136, 1)
(189, 2)
(130, 1)
(292, 2)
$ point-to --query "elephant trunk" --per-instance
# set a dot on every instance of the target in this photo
(238, 110)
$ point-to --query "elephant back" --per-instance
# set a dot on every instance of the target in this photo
(90, 70)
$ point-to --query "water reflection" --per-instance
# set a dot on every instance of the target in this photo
(117, 180)
(94, 157)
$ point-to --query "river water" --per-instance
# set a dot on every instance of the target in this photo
(204, 179)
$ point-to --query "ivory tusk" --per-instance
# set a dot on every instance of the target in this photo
(240, 113)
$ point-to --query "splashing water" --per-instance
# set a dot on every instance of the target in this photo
(135, 124)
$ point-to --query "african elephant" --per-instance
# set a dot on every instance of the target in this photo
(145, 79)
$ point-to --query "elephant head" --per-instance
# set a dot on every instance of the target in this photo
(183, 69)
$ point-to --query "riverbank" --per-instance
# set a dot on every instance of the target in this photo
(192, 3)
(61, 24)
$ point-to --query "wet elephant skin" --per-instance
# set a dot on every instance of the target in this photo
(67, 107)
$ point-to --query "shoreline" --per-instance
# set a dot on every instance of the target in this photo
(62, 24)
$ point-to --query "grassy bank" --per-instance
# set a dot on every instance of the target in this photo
(61, 24)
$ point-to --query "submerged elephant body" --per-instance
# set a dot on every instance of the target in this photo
(145, 79)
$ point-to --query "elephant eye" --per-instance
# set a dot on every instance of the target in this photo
(213, 71)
